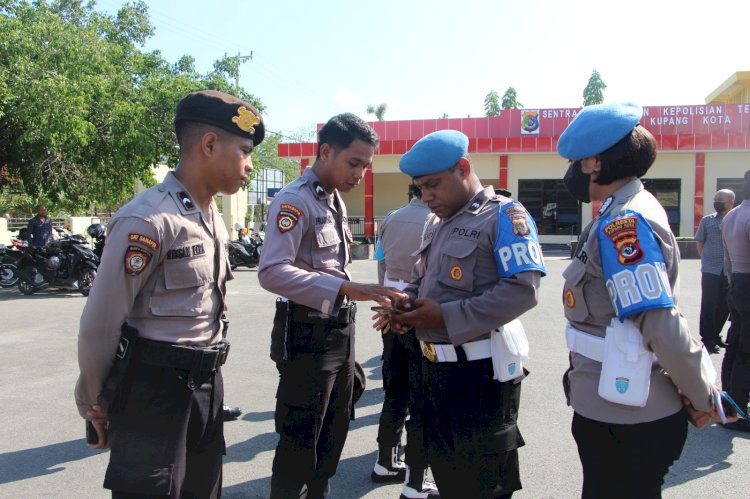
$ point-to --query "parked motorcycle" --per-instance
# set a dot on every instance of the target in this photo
(9, 257)
(245, 250)
(67, 262)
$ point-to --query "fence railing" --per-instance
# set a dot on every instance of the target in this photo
(357, 226)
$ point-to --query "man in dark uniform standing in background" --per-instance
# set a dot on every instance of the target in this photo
(400, 237)
(39, 229)
(735, 369)
(304, 260)
(480, 268)
(154, 393)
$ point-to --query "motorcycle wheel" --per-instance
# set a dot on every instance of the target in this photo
(26, 288)
(8, 275)
(86, 280)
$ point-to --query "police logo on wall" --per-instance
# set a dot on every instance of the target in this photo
(136, 259)
(288, 217)
(624, 234)
(517, 216)
(530, 122)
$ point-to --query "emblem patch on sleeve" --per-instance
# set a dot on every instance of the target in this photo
(624, 234)
(136, 259)
(517, 216)
(134, 237)
(288, 217)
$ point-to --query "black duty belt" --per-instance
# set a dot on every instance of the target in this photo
(307, 315)
(191, 358)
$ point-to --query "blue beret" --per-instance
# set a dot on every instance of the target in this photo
(597, 128)
(434, 153)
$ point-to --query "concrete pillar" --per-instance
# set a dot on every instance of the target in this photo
(234, 209)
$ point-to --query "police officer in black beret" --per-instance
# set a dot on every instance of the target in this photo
(152, 335)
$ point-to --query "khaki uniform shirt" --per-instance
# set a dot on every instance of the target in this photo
(163, 271)
(457, 268)
(400, 236)
(306, 249)
(735, 230)
(665, 332)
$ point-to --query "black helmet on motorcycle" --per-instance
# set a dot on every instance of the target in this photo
(95, 230)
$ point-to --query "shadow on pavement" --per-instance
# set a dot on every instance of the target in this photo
(29, 463)
(705, 452)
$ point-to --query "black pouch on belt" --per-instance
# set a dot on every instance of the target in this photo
(279, 352)
(108, 395)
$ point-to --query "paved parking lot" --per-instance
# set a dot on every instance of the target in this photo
(42, 452)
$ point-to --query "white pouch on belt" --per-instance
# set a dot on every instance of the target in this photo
(509, 348)
(626, 367)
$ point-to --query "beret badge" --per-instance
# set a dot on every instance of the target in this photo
(245, 120)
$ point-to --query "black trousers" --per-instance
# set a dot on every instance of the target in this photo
(623, 461)
(166, 440)
(735, 368)
(313, 407)
(471, 431)
(402, 385)
(714, 307)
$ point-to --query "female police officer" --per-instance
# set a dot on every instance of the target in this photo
(629, 422)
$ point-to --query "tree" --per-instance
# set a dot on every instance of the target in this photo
(594, 91)
(84, 112)
(492, 104)
(510, 99)
(378, 110)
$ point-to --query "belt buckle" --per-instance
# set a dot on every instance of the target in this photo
(428, 350)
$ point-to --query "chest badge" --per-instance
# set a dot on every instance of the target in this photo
(570, 300)
(456, 273)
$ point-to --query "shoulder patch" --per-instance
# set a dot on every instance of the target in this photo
(517, 246)
(185, 200)
(288, 217)
(517, 216)
(136, 259)
(633, 265)
(135, 237)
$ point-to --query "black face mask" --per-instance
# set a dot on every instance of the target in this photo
(719, 206)
(577, 182)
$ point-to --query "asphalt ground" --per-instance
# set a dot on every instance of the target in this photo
(43, 454)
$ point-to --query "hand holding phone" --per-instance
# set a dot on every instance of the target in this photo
(91, 436)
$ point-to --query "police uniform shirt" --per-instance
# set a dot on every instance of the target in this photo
(459, 270)
(709, 233)
(400, 233)
(736, 232)
(306, 249)
(588, 307)
(163, 271)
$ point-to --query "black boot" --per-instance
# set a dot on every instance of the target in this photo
(417, 486)
(389, 467)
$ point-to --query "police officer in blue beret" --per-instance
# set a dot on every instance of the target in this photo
(479, 268)
(630, 419)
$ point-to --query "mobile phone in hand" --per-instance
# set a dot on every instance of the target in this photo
(91, 435)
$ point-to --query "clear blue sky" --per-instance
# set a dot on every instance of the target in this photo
(312, 60)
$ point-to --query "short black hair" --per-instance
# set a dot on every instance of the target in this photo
(632, 156)
(191, 131)
(343, 129)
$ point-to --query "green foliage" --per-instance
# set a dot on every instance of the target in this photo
(378, 110)
(594, 91)
(84, 112)
(510, 99)
(266, 156)
(492, 104)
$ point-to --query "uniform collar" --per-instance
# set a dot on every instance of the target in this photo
(315, 185)
(180, 195)
(621, 196)
(477, 202)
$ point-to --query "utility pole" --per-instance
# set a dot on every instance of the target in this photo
(240, 60)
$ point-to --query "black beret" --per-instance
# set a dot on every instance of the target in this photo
(223, 111)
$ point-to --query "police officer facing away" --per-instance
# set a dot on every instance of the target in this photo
(151, 343)
(479, 268)
(620, 301)
(304, 260)
(400, 237)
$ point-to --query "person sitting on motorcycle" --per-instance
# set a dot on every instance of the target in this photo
(245, 235)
